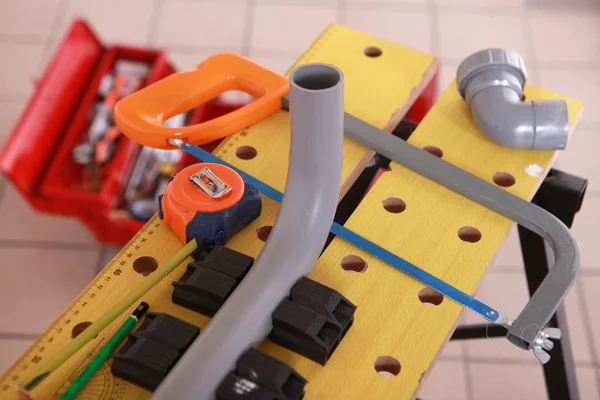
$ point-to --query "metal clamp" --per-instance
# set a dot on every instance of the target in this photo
(210, 183)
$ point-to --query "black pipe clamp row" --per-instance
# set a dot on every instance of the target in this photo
(153, 349)
(210, 280)
(311, 321)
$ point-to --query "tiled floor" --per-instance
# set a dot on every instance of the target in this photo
(560, 43)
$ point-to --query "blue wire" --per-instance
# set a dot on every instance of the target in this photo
(382, 254)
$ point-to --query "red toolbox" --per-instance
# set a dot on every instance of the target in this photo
(37, 157)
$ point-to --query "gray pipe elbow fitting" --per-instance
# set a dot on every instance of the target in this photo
(491, 82)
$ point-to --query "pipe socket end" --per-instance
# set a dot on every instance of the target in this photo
(487, 59)
(316, 77)
(551, 124)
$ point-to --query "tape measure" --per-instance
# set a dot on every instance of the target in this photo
(208, 202)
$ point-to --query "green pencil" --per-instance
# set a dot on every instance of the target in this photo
(105, 352)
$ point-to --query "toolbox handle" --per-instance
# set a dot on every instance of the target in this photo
(140, 116)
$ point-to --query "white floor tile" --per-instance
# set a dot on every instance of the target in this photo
(585, 228)
(461, 33)
(581, 156)
(40, 284)
(283, 26)
(579, 83)
(501, 382)
(21, 222)
(18, 71)
(27, 17)
(565, 37)
(11, 350)
(280, 63)
(213, 24)
(591, 291)
(113, 20)
(446, 381)
(408, 28)
(10, 110)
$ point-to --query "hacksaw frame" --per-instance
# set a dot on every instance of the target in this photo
(390, 319)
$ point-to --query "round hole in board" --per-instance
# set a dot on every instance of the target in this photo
(430, 297)
(80, 327)
(436, 151)
(145, 265)
(352, 263)
(246, 152)
(469, 234)
(387, 366)
(373, 51)
(394, 205)
(503, 179)
(263, 232)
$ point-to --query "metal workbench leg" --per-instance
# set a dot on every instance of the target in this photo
(561, 194)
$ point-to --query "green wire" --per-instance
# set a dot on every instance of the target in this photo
(104, 353)
(94, 329)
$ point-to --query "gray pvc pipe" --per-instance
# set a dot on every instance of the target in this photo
(527, 331)
(491, 82)
(294, 245)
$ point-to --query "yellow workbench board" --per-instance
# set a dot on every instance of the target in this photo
(381, 102)
(379, 90)
(390, 319)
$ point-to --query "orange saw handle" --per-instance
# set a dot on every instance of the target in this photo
(140, 115)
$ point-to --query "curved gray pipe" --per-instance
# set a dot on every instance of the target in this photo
(298, 236)
(491, 82)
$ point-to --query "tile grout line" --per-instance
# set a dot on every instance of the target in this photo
(529, 41)
(555, 65)
(13, 98)
(154, 20)
(45, 42)
(518, 270)
(557, 6)
(341, 11)
(588, 333)
(19, 336)
(384, 6)
(377, 4)
(434, 28)
(248, 28)
(28, 244)
(515, 361)
(3, 184)
(180, 48)
(467, 369)
(23, 39)
(60, 7)
(100, 262)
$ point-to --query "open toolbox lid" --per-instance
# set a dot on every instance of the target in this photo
(25, 157)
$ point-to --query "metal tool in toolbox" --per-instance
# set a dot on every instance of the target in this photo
(150, 175)
(128, 77)
(141, 114)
